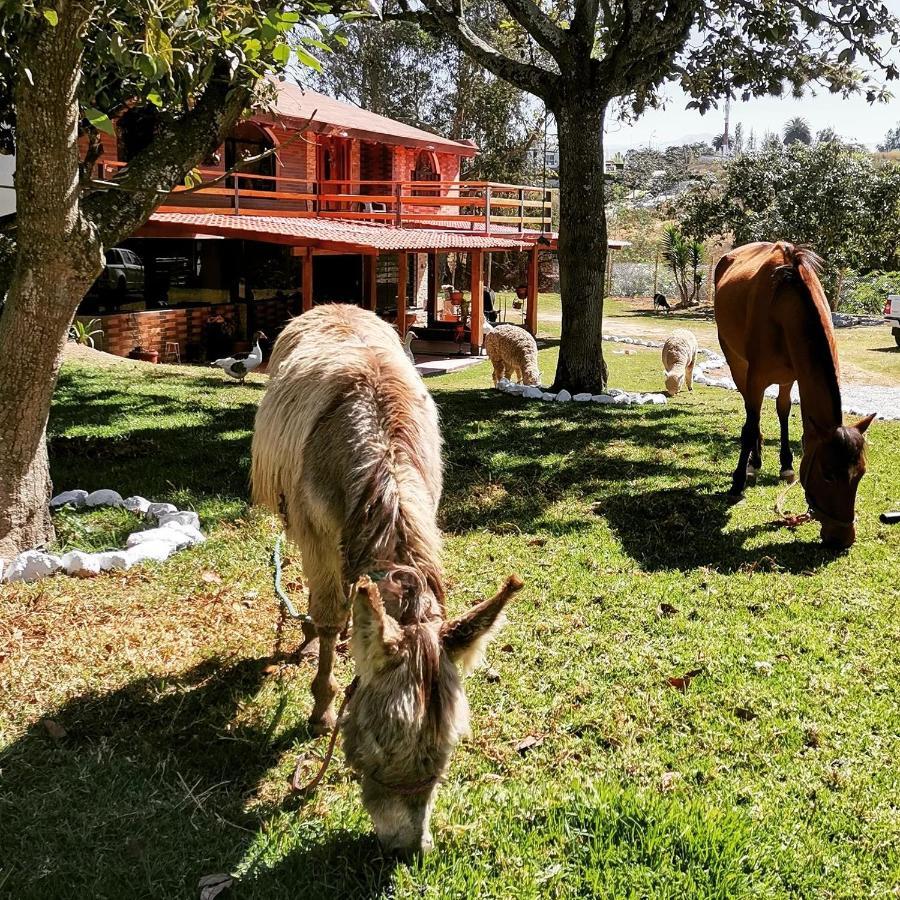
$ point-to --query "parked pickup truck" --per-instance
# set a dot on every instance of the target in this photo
(892, 315)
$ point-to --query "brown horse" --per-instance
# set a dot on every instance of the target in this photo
(775, 328)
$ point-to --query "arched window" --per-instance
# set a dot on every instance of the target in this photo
(249, 140)
(427, 167)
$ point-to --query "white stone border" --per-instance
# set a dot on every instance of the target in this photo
(174, 531)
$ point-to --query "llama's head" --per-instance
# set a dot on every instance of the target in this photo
(409, 709)
(674, 380)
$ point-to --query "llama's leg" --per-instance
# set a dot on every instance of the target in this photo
(498, 370)
(783, 406)
(689, 374)
(750, 436)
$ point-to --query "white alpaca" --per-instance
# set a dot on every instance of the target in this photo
(679, 353)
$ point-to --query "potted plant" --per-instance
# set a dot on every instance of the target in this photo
(521, 294)
(139, 352)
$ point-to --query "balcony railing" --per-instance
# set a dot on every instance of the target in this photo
(482, 206)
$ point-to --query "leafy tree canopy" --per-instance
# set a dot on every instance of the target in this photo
(796, 131)
(891, 140)
(839, 201)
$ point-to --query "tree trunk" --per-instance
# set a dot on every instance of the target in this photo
(57, 257)
(582, 242)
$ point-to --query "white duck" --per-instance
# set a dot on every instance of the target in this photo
(407, 345)
(241, 365)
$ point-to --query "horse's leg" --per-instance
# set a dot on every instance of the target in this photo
(750, 435)
(783, 405)
(328, 607)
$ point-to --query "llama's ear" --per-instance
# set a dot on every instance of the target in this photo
(377, 632)
(863, 424)
(466, 638)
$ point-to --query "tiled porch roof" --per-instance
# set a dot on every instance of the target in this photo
(324, 233)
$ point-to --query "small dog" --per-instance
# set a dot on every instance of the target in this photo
(660, 302)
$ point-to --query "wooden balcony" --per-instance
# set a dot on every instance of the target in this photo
(483, 207)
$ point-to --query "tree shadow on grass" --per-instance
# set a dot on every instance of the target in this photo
(686, 528)
(145, 792)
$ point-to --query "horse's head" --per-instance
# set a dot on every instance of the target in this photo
(409, 709)
(833, 464)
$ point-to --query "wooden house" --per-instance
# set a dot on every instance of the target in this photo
(313, 200)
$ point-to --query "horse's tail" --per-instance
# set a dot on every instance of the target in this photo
(802, 266)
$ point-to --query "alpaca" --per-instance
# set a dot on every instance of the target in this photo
(347, 450)
(513, 352)
(660, 302)
(679, 354)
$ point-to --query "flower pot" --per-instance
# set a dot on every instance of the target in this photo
(151, 356)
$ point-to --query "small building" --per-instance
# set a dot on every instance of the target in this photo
(315, 201)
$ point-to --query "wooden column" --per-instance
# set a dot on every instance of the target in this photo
(402, 274)
(433, 286)
(308, 281)
(370, 281)
(531, 310)
(476, 313)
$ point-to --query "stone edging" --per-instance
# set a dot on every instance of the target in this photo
(174, 531)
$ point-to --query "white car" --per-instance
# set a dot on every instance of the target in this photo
(892, 315)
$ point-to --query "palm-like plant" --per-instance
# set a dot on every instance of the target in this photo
(84, 333)
(796, 131)
(684, 257)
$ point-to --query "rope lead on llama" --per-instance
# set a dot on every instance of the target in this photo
(175, 529)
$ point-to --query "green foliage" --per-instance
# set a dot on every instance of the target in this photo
(891, 140)
(657, 171)
(839, 201)
(796, 131)
(84, 333)
(684, 257)
(159, 54)
(866, 294)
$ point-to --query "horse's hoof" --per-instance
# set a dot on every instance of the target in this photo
(788, 476)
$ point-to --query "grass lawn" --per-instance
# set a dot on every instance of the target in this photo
(150, 720)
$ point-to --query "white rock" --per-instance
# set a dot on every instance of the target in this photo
(503, 384)
(136, 504)
(75, 562)
(658, 399)
(193, 535)
(563, 396)
(74, 498)
(185, 517)
(548, 396)
(169, 535)
(114, 559)
(104, 497)
(582, 398)
(155, 510)
(518, 389)
(603, 398)
(149, 550)
(614, 392)
(31, 566)
(532, 392)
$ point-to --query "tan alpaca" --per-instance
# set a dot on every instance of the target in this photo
(513, 352)
(347, 450)
(679, 355)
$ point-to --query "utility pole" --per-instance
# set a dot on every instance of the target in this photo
(726, 138)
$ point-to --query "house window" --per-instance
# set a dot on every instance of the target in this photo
(248, 141)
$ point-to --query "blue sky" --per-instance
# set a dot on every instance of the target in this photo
(852, 118)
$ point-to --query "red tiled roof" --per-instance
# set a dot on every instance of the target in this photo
(327, 113)
(353, 237)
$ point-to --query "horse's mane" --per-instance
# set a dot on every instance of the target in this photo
(801, 271)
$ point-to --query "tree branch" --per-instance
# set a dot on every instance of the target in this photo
(178, 148)
(439, 20)
(584, 22)
(547, 35)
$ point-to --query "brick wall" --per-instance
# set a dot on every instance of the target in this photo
(154, 328)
